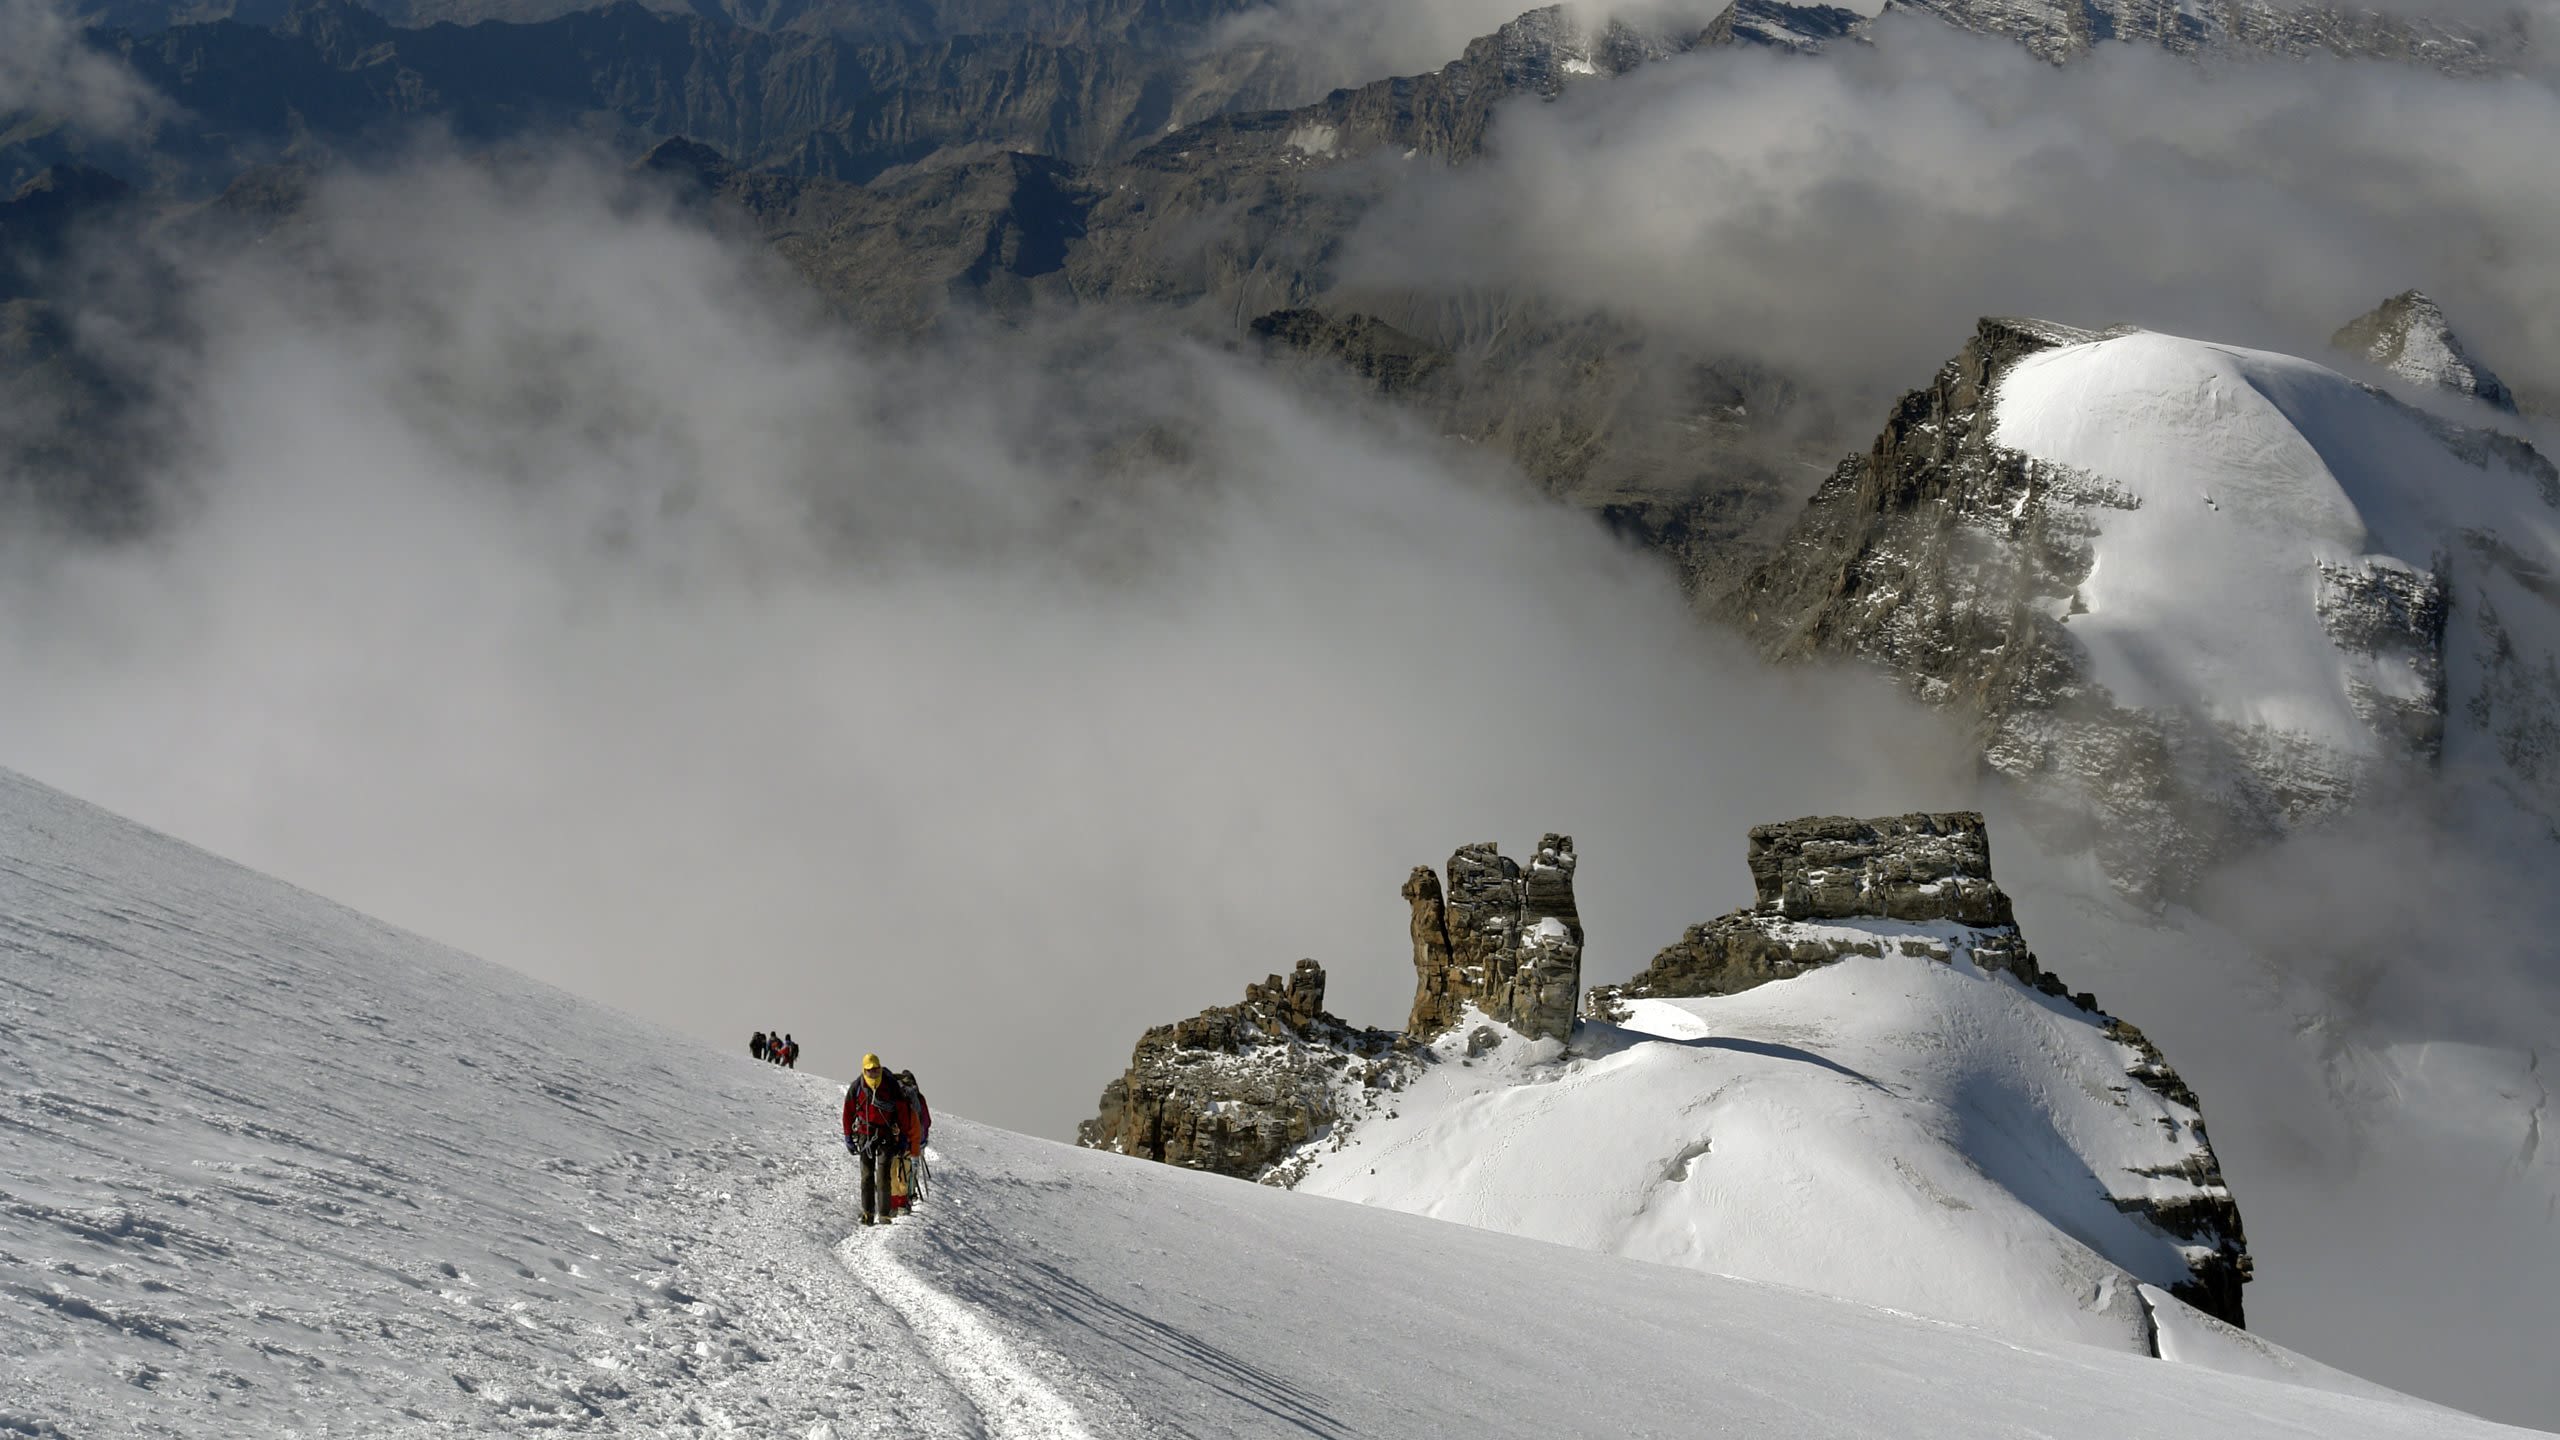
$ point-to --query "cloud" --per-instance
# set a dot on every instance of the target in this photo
(48, 70)
(1851, 218)
(542, 575)
(546, 581)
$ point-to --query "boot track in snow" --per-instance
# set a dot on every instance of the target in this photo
(1012, 1402)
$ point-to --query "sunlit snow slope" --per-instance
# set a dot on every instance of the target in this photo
(2244, 487)
(1903, 1131)
(268, 1167)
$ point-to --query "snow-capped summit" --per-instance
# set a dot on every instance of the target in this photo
(2409, 336)
(2205, 592)
(2242, 508)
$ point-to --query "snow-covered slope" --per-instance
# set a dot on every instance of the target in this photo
(2230, 475)
(2195, 595)
(1903, 1131)
(2275, 547)
(273, 1168)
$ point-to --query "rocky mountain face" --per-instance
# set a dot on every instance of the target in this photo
(2065, 30)
(917, 179)
(1799, 29)
(1232, 228)
(1829, 887)
(932, 163)
(1919, 556)
(1242, 1089)
(915, 21)
(334, 77)
(2409, 336)
(1960, 565)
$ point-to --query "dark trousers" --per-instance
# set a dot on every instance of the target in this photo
(875, 1185)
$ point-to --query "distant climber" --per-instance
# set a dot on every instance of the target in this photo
(875, 1131)
(755, 1047)
(790, 1053)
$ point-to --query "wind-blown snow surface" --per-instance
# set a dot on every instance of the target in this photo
(271, 1167)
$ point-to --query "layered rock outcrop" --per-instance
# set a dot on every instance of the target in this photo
(1238, 1089)
(1915, 869)
(1920, 886)
(1776, 25)
(1501, 937)
(1235, 1088)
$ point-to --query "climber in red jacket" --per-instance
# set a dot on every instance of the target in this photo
(875, 1130)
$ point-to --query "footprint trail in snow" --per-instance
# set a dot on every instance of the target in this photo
(1011, 1401)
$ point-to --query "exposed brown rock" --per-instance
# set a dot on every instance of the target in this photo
(1505, 939)
(1906, 867)
(1435, 1003)
(1235, 1088)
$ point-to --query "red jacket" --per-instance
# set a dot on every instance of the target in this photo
(871, 1115)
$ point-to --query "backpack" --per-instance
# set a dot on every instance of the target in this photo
(913, 1114)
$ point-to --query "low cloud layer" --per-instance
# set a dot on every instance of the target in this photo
(542, 582)
(537, 575)
(47, 71)
(1851, 218)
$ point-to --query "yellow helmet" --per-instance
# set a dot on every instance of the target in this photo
(870, 1062)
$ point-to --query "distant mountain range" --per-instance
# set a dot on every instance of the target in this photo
(1003, 162)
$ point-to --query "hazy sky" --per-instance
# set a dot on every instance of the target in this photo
(658, 644)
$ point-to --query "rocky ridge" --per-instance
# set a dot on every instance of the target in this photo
(1005, 159)
(1264, 1089)
(1800, 29)
(2061, 31)
(1243, 1089)
(1956, 564)
(1920, 885)
(2409, 336)
(1913, 870)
